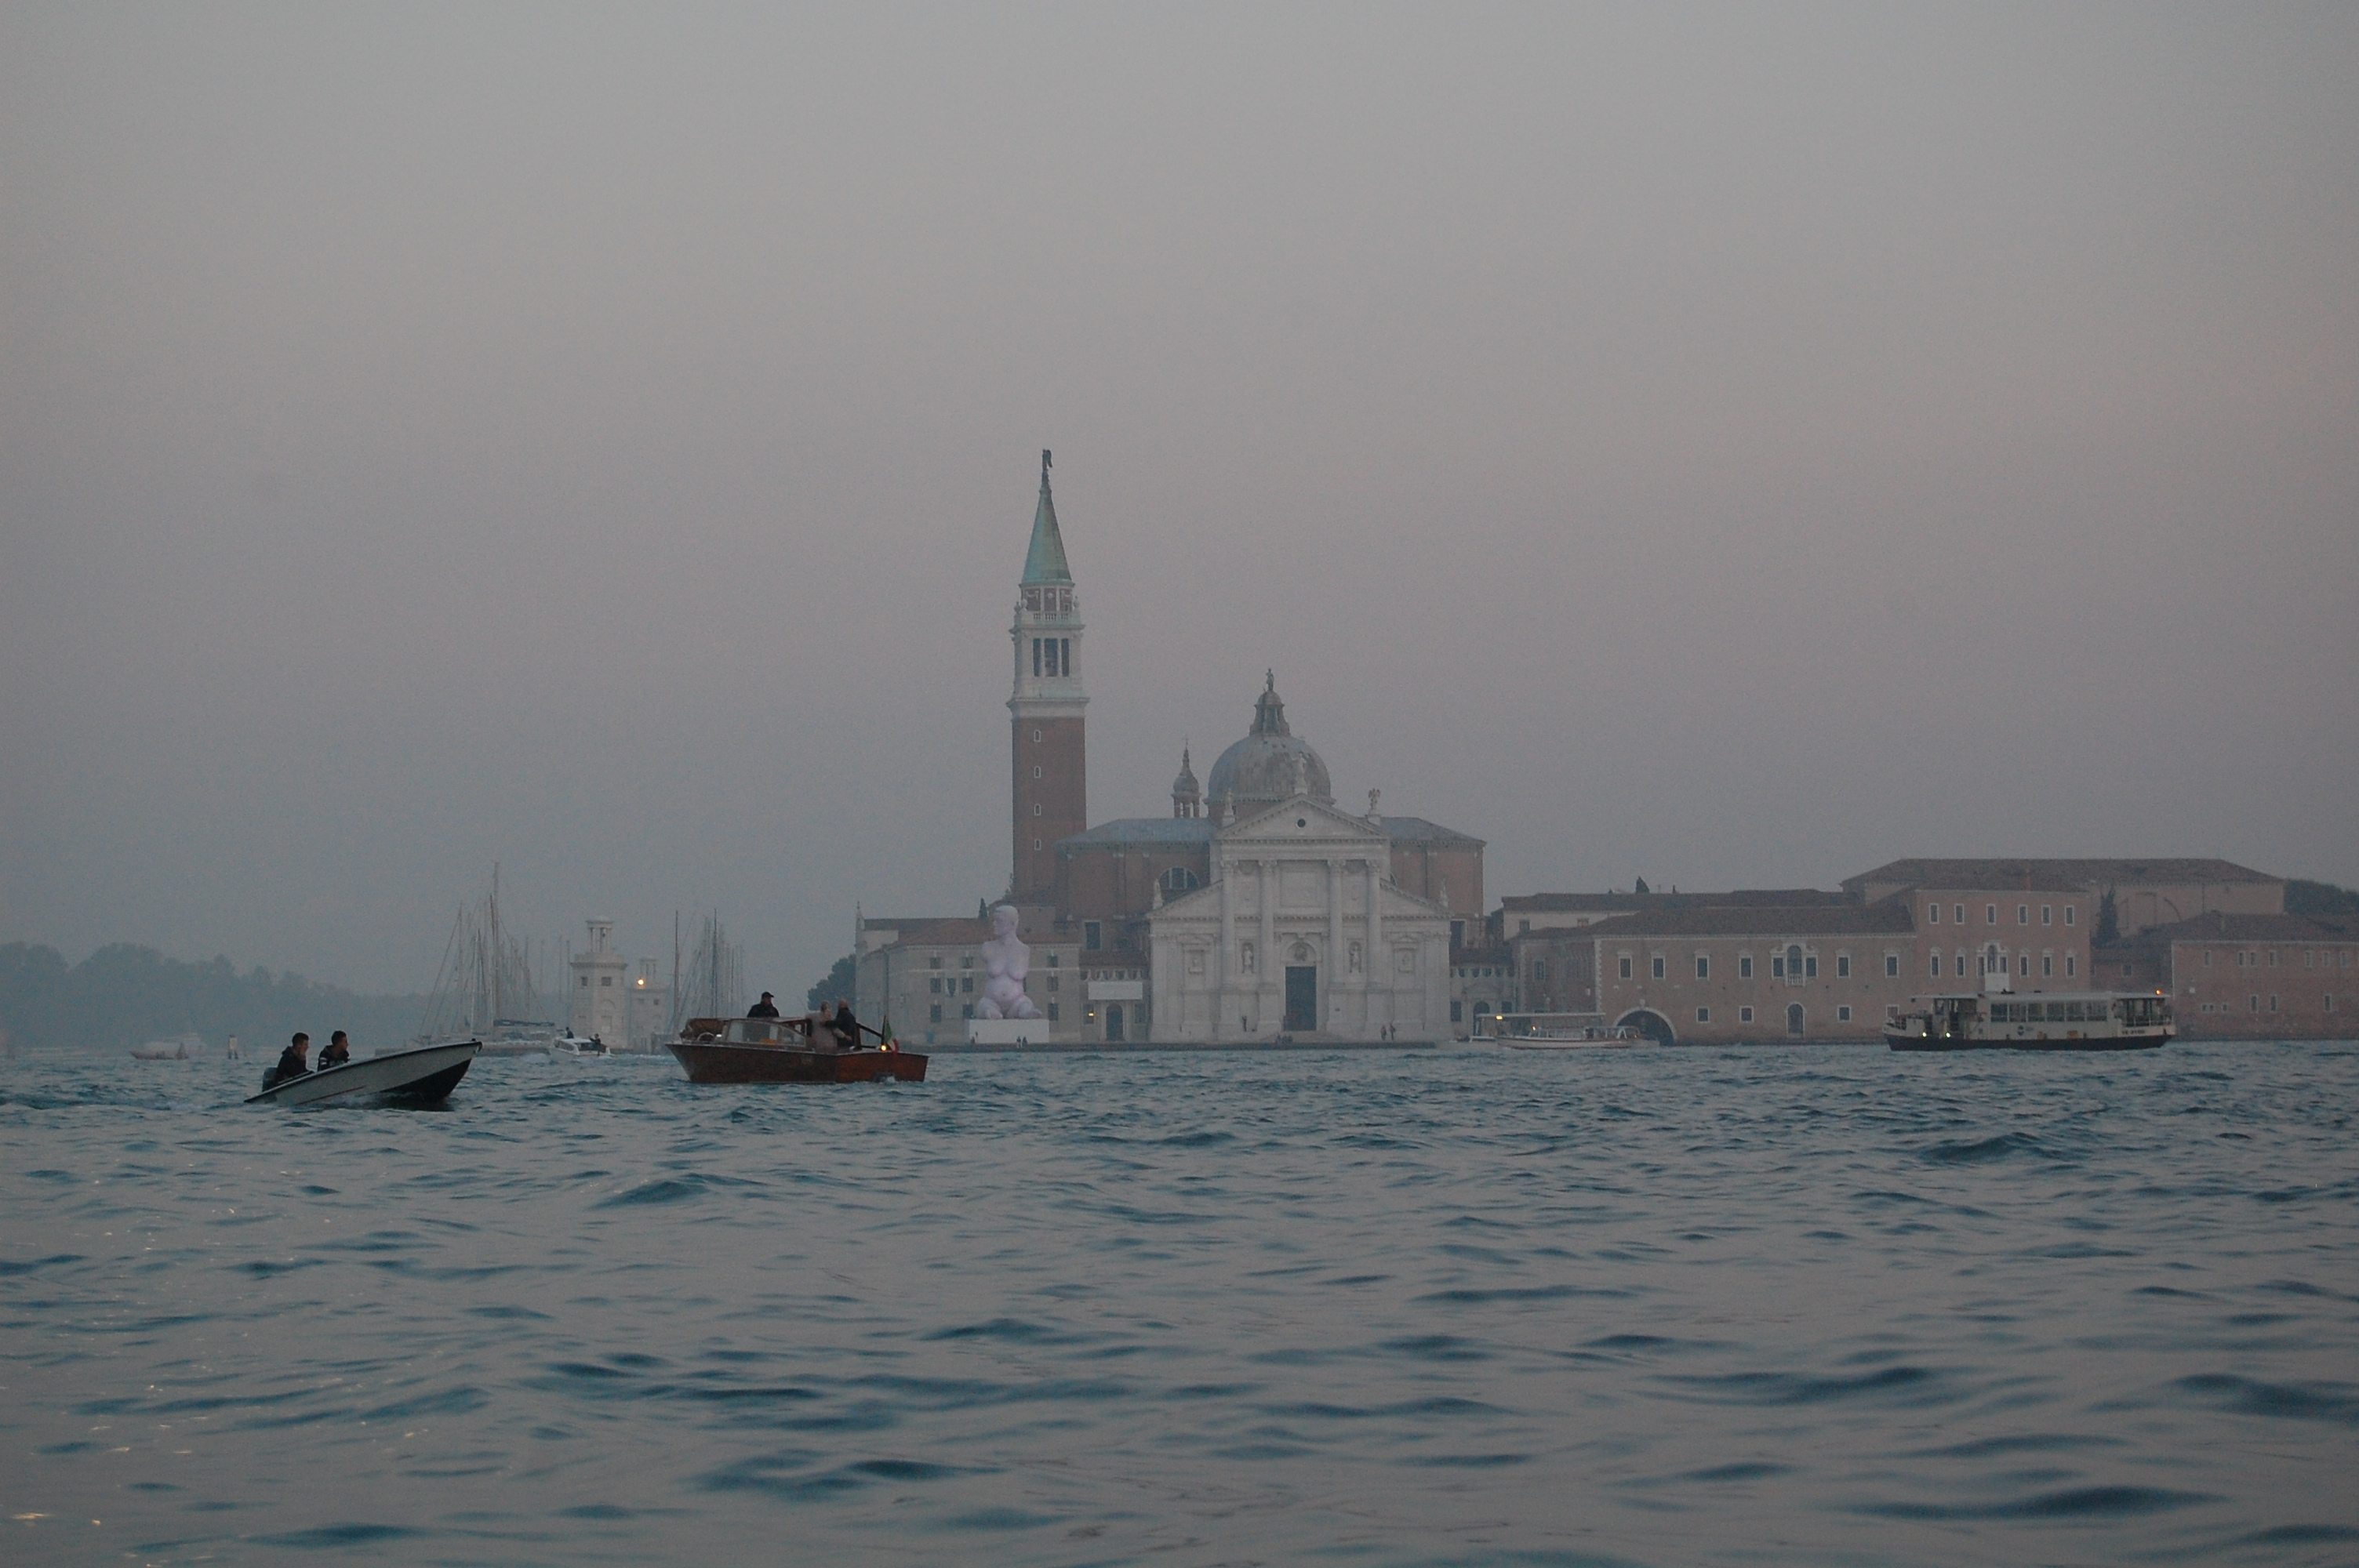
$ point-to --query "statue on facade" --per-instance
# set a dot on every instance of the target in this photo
(1005, 961)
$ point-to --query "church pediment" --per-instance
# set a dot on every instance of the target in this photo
(1301, 820)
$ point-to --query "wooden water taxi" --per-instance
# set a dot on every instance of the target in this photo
(780, 1051)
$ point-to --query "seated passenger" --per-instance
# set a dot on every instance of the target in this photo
(290, 1063)
(339, 1052)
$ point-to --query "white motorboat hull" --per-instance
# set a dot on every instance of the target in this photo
(424, 1074)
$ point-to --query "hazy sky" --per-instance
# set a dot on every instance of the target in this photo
(1734, 446)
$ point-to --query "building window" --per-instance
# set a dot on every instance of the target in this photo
(1457, 1012)
(2046, 965)
(966, 984)
(1625, 966)
(1745, 967)
(2072, 964)
(2254, 1004)
(1053, 979)
(2023, 914)
(1703, 1015)
(967, 1010)
(1052, 1012)
(934, 1014)
(1036, 770)
(935, 985)
(1842, 1015)
(1703, 968)
(1811, 966)
(2207, 957)
(1989, 914)
(1539, 973)
(1933, 914)
(1892, 965)
(1744, 1015)
(1937, 966)
(2273, 958)
(1794, 1020)
(2273, 1001)
(1842, 965)
(1036, 737)
(606, 981)
(585, 982)
(1179, 879)
(1957, 911)
(2330, 1001)
(1036, 843)
(2046, 914)
(1658, 966)
(2068, 915)
(1092, 936)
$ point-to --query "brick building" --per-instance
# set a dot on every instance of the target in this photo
(2244, 977)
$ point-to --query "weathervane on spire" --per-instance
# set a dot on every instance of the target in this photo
(1044, 468)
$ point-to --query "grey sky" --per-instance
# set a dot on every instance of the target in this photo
(1734, 446)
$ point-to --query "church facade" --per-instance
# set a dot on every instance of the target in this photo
(1256, 910)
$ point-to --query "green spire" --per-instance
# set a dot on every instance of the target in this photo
(1044, 563)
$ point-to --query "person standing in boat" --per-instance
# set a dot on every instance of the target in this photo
(290, 1063)
(339, 1052)
(846, 1027)
(766, 1008)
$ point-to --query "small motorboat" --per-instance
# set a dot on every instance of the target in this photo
(174, 1050)
(780, 1051)
(415, 1075)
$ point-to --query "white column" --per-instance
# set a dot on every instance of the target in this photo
(1376, 954)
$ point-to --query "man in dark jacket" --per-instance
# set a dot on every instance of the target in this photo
(765, 1007)
(846, 1027)
(339, 1052)
(290, 1064)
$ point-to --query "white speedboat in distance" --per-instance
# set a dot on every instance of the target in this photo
(415, 1075)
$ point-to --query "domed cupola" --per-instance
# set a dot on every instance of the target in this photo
(1186, 800)
(1270, 764)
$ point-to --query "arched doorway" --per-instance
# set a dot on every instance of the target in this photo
(1794, 1018)
(1653, 1025)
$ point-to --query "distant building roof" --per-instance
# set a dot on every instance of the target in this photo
(1845, 919)
(1536, 905)
(1143, 830)
(1418, 830)
(954, 931)
(2053, 873)
(2218, 928)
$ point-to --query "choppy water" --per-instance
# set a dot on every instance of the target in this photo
(1802, 1306)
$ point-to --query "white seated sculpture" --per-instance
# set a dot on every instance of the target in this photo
(1005, 961)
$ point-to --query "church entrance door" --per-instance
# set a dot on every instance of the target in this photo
(1302, 997)
(1113, 1022)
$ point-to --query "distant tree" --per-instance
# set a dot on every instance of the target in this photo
(2109, 924)
(123, 994)
(838, 983)
(2322, 902)
(1642, 886)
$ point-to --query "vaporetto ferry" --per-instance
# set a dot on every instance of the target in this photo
(2045, 1021)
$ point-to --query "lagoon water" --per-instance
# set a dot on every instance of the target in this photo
(1814, 1305)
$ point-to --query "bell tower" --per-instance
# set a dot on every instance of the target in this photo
(1052, 767)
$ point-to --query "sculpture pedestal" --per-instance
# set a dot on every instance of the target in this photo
(1008, 1031)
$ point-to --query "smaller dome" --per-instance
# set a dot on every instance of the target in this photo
(1184, 786)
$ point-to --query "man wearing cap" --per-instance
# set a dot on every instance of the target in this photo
(765, 1007)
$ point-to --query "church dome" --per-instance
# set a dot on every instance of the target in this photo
(1270, 764)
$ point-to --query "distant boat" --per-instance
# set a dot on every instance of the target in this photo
(780, 1051)
(173, 1050)
(1560, 1031)
(2052, 1021)
(415, 1075)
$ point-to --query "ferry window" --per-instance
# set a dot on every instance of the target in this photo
(2046, 914)
(2072, 1012)
(1703, 968)
(1842, 965)
(1892, 965)
(1745, 967)
(1625, 966)
(1989, 914)
(1744, 1014)
(2068, 915)
(1658, 966)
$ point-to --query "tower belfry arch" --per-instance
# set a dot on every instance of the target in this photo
(1050, 759)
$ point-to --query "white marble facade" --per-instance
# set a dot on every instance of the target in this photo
(1302, 931)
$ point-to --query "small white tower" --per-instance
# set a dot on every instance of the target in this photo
(600, 1002)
